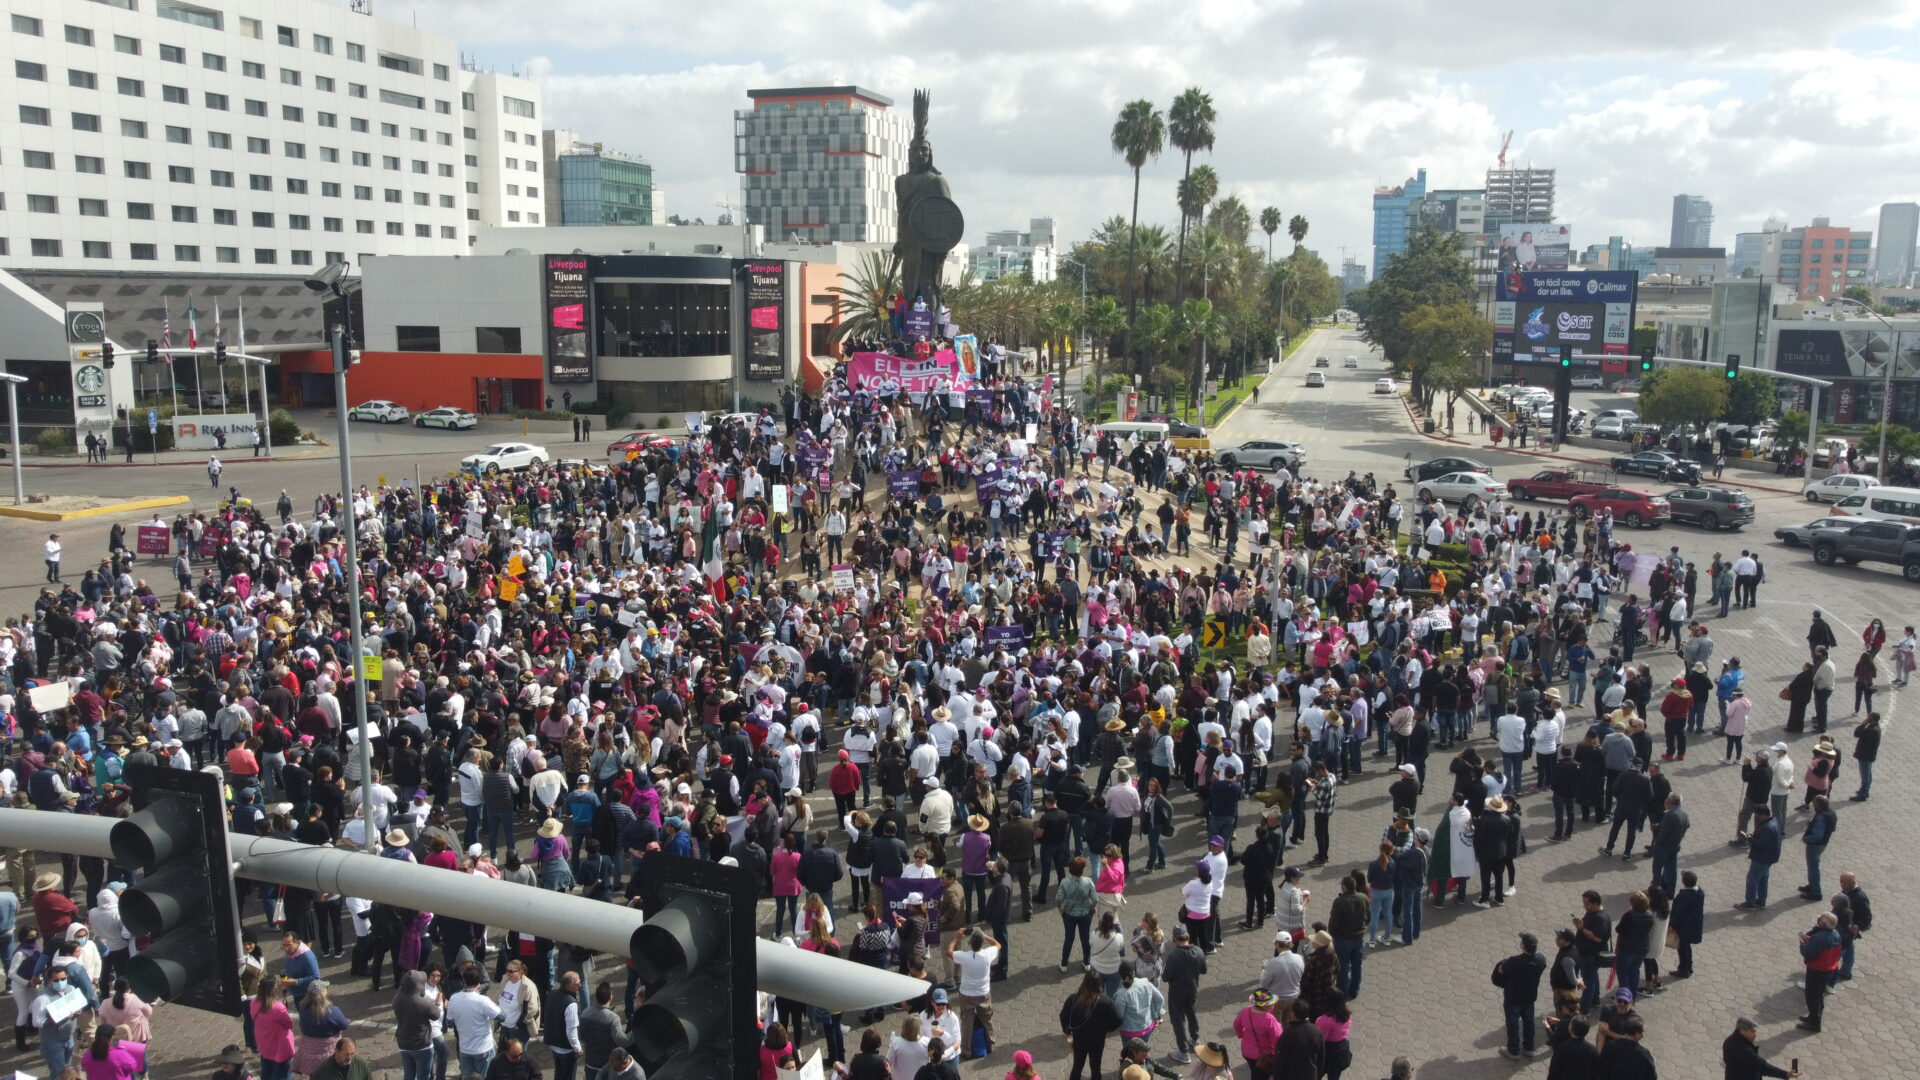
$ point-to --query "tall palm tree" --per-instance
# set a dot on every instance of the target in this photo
(1156, 248)
(1231, 218)
(1104, 319)
(861, 303)
(1297, 228)
(1138, 135)
(1190, 123)
(1211, 252)
(1195, 323)
(1195, 193)
(1270, 223)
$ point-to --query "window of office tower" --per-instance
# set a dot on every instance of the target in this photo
(662, 319)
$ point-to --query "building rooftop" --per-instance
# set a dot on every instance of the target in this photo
(280, 310)
(790, 92)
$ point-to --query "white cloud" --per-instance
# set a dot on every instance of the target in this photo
(1753, 105)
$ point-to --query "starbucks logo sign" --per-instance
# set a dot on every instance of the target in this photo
(90, 379)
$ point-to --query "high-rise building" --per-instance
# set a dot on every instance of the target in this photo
(1011, 251)
(1749, 248)
(818, 162)
(1899, 231)
(1818, 260)
(1518, 195)
(1692, 222)
(1353, 275)
(136, 125)
(591, 184)
(1394, 216)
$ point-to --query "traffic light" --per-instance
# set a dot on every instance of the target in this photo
(220, 352)
(1566, 359)
(106, 355)
(1646, 359)
(153, 351)
(696, 956)
(1733, 365)
(177, 838)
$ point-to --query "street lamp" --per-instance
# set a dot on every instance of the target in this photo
(13, 425)
(332, 279)
(1886, 381)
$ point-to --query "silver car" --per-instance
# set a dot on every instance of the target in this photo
(1803, 535)
(1264, 454)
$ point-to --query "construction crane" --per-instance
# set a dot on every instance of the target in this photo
(1504, 143)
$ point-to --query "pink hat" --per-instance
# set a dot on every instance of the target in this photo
(1023, 1059)
(844, 756)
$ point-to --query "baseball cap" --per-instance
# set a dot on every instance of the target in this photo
(1283, 938)
(939, 997)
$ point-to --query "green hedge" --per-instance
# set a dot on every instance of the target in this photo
(283, 427)
(143, 439)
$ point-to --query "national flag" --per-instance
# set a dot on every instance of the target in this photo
(218, 334)
(193, 326)
(710, 560)
(166, 326)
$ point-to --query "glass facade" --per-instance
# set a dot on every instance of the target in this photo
(649, 318)
(602, 189)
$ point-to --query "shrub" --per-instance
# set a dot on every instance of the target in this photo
(282, 426)
(143, 440)
(54, 441)
(663, 423)
(616, 417)
(542, 414)
(598, 408)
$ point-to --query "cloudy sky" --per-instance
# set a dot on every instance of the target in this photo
(1768, 108)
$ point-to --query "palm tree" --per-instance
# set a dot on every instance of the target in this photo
(1194, 193)
(1155, 247)
(1151, 328)
(1190, 123)
(1138, 136)
(1197, 323)
(860, 304)
(1270, 224)
(1231, 218)
(1104, 319)
(1297, 228)
(1212, 252)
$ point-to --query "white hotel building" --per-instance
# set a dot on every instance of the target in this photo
(249, 137)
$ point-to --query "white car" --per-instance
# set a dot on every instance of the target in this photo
(446, 416)
(1350, 362)
(1587, 382)
(1316, 378)
(1835, 488)
(506, 455)
(1383, 386)
(1263, 454)
(1466, 488)
(381, 412)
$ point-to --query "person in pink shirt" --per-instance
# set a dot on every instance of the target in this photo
(786, 884)
(1259, 1030)
(1110, 885)
(273, 1029)
(112, 1058)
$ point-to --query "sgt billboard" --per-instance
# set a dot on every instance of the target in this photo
(1536, 315)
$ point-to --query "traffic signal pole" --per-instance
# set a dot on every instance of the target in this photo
(1731, 368)
(835, 984)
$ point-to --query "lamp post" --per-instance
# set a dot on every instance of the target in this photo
(331, 279)
(1886, 383)
(13, 429)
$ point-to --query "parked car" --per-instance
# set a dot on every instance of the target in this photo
(204, 398)
(1314, 378)
(1636, 508)
(503, 456)
(1612, 427)
(1803, 535)
(446, 416)
(1350, 362)
(380, 412)
(622, 448)
(1711, 507)
(1587, 382)
(1834, 488)
(1627, 386)
(1264, 454)
(1176, 427)
(1466, 488)
(1557, 484)
(1658, 464)
(1383, 386)
(1872, 541)
(1441, 466)
(1321, 361)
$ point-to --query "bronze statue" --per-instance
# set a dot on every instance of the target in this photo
(930, 222)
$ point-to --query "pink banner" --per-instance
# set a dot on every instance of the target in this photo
(868, 371)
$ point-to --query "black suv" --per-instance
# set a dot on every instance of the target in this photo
(1438, 467)
(1658, 464)
(1871, 541)
(1711, 507)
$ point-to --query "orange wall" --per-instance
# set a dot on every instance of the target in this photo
(429, 380)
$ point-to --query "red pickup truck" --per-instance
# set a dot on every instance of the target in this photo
(1557, 484)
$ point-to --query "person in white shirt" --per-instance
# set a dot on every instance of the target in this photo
(473, 1014)
(1511, 729)
(1547, 733)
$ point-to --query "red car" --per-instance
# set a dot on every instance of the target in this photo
(1636, 508)
(622, 449)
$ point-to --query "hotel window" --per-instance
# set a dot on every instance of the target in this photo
(86, 122)
(96, 249)
(323, 82)
(296, 186)
(294, 149)
(179, 134)
(219, 178)
(43, 204)
(143, 252)
(180, 174)
(134, 170)
(356, 52)
(133, 129)
(34, 114)
(93, 208)
(253, 70)
(84, 80)
(27, 69)
(217, 101)
(288, 36)
(259, 182)
(45, 249)
(300, 258)
(79, 35)
(173, 54)
(299, 221)
(125, 44)
(258, 145)
(87, 163)
(191, 14)
(226, 217)
(213, 61)
(249, 28)
(289, 77)
(186, 253)
(423, 231)
(140, 211)
(26, 24)
(173, 95)
(265, 256)
(323, 44)
(226, 254)
(256, 108)
(186, 215)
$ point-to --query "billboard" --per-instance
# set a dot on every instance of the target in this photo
(1536, 315)
(569, 359)
(1535, 246)
(766, 321)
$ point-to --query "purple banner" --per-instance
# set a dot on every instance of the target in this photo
(1006, 635)
(904, 483)
(918, 321)
(815, 458)
(898, 889)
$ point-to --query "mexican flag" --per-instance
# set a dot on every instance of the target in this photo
(710, 553)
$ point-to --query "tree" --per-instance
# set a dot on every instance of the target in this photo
(1685, 396)
(1270, 224)
(1447, 343)
(1195, 192)
(1751, 399)
(1138, 136)
(1791, 428)
(1859, 294)
(1105, 318)
(1429, 272)
(1231, 219)
(1297, 228)
(1190, 123)
(1356, 301)
(861, 303)
(1197, 322)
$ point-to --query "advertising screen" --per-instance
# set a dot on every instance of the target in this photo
(568, 358)
(766, 321)
(1536, 246)
(1535, 315)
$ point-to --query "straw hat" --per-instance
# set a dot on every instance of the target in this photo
(1212, 1053)
(46, 881)
(976, 823)
(550, 828)
(1116, 724)
(1497, 804)
(397, 837)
